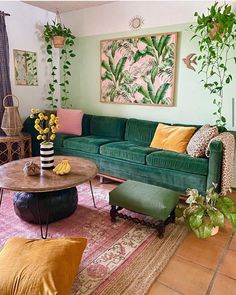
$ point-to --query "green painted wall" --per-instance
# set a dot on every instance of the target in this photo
(192, 103)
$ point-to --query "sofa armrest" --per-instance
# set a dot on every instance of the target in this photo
(215, 163)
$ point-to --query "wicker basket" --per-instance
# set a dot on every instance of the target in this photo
(11, 121)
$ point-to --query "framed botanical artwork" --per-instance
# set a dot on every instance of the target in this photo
(25, 63)
(139, 70)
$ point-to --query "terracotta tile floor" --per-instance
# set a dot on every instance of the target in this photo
(199, 267)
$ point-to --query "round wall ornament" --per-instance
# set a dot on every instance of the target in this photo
(136, 22)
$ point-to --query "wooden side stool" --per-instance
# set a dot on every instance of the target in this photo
(146, 199)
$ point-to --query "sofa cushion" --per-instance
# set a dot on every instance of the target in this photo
(30, 267)
(70, 121)
(140, 131)
(60, 137)
(172, 138)
(176, 161)
(126, 150)
(89, 144)
(108, 126)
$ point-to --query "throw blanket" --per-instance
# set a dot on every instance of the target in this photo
(228, 142)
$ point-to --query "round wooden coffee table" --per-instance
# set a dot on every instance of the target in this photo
(13, 178)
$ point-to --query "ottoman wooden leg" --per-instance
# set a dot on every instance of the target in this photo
(171, 218)
(161, 229)
(113, 213)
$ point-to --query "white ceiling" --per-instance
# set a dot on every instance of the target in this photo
(65, 6)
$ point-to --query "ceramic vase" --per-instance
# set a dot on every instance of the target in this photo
(47, 155)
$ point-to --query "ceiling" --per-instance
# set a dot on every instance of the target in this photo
(65, 6)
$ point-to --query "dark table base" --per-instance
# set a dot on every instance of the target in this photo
(46, 207)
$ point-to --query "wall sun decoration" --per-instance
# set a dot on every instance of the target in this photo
(25, 63)
(139, 70)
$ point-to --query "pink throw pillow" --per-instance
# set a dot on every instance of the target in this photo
(70, 121)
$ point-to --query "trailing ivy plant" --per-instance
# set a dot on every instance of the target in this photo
(216, 34)
(50, 31)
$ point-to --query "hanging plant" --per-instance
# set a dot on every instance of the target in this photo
(216, 34)
(57, 34)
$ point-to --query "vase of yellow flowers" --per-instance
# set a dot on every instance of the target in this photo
(46, 127)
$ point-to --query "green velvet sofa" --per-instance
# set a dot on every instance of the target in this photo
(120, 148)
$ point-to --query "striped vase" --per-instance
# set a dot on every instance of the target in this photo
(47, 155)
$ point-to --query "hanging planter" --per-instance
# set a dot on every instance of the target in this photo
(58, 36)
(58, 41)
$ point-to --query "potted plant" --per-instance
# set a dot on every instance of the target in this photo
(57, 33)
(205, 214)
(46, 127)
(61, 37)
(216, 34)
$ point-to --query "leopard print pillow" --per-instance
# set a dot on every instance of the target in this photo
(199, 141)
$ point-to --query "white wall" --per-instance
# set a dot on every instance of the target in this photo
(114, 17)
(24, 28)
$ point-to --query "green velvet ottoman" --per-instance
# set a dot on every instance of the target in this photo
(146, 199)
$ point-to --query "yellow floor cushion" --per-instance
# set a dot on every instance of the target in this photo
(39, 267)
(172, 138)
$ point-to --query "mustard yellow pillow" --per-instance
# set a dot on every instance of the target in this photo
(172, 138)
(39, 267)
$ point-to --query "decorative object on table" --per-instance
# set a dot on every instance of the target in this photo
(205, 213)
(136, 22)
(11, 121)
(31, 169)
(216, 34)
(15, 147)
(139, 70)
(199, 141)
(110, 263)
(46, 127)
(62, 168)
(189, 60)
(25, 63)
(30, 256)
(61, 36)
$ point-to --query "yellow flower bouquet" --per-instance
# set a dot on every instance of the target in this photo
(45, 125)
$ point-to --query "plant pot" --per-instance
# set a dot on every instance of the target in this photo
(215, 230)
(46, 155)
(214, 31)
(58, 41)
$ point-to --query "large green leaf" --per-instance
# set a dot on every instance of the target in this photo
(144, 92)
(217, 218)
(120, 66)
(137, 56)
(195, 221)
(154, 74)
(155, 42)
(161, 92)
(203, 231)
(114, 48)
(105, 66)
(111, 64)
(164, 40)
(150, 91)
(146, 40)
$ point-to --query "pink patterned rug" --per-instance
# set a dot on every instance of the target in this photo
(121, 258)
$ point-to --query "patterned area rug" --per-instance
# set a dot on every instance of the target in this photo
(121, 258)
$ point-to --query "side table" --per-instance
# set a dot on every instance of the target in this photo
(15, 147)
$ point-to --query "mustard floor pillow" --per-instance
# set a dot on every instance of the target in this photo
(39, 267)
(172, 138)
